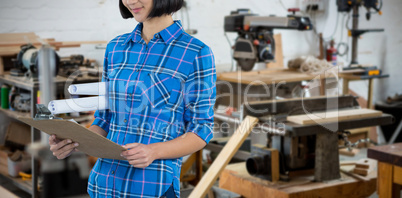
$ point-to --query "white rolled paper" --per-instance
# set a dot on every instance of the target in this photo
(98, 88)
(78, 105)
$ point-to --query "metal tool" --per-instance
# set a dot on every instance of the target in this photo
(255, 42)
(72, 64)
(43, 113)
(354, 5)
(27, 62)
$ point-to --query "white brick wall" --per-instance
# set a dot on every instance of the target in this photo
(76, 20)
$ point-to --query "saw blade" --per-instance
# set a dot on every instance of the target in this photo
(246, 64)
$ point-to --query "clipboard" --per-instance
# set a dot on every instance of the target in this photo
(89, 142)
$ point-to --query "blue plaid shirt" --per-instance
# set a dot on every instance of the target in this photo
(157, 92)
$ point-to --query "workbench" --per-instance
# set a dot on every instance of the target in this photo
(263, 85)
(389, 169)
(235, 178)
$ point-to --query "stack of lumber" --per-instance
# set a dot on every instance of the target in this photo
(10, 44)
(365, 166)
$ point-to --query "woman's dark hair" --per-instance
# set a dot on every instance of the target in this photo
(160, 7)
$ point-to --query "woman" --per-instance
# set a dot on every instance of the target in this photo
(161, 97)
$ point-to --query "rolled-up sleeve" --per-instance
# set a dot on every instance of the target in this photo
(200, 96)
(102, 117)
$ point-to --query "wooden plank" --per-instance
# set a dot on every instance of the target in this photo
(235, 178)
(9, 51)
(1, 66)
(274, 165)
(224, 157)
(362, 171)
(348, 170)
(269, 76)
(6, 194)
(345, 86)
(388, 153)
(345, 151)
(398, 175)
(278, 53)
(187, 165)
(366, 163)
(370, 94)
(198, 167)
(38, 41)
(384, 180)
(333, 116)
(21, 38)
(347, 163)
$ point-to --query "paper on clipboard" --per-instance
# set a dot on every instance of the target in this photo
(89, 142)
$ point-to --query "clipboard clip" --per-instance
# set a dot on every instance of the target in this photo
(43, 113)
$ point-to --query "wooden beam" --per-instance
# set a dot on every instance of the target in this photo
(384, 181)
(333, 116)
(278, 53)
(187, 165)
(7, 194)
(1, 66)
(198, 167)
(274, 165)
(224, 157)
(398, 175)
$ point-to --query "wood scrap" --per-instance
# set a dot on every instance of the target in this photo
(366, 163)
(361, 171)
(334, 116)
(347, 163)
(356, 176)
(224, 157)
(278, 63)
(5, 193)
(345, 151)
(365, 166)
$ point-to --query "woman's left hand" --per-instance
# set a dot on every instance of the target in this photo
(139, 155)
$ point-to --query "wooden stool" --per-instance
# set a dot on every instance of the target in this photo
(389, 169)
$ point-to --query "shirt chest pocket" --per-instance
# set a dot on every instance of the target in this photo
(160, 89)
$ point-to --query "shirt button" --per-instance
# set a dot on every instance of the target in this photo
(112, 172)
(125, 120)
(137, 70)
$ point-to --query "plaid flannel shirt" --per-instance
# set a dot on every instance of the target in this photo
(157, 92)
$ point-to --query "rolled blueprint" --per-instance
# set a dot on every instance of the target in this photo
(98, 88)
(78, 105)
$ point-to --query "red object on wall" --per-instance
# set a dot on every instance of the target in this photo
(332, 53)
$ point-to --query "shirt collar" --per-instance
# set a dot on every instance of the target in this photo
(167, 35)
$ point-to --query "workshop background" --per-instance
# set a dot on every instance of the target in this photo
(100, 20)
(77, 20)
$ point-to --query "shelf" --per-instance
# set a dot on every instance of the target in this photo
(15, 114)
(25, 185)
(33, 87)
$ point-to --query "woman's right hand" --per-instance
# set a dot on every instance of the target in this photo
(61, 148)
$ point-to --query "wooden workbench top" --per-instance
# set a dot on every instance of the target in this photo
(391, 154)
(268, 76)
(236, 179)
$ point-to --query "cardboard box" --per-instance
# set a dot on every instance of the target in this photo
(18, 133)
